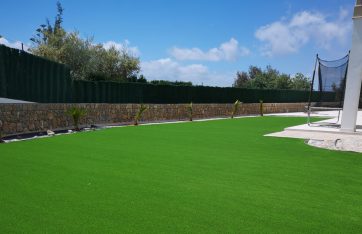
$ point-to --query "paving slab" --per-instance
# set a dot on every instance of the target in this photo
(325, 133)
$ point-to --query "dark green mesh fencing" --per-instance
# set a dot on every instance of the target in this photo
(27, 77)
(112, 92)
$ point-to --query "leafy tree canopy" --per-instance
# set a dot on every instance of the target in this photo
(86, 59)
(166, 82)
(270, 78)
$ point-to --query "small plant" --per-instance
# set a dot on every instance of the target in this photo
(235, 108)
(261, 108)
(190, 108)
(138, 116)
(1, 132)
(76, 113)
(1, 137)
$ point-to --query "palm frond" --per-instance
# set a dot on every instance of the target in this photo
(235, 108)
(76, 113)
(138, 116)
(190, 108)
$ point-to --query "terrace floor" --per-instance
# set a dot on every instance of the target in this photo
(325, 133)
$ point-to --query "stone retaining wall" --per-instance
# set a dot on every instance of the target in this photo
(27, 118)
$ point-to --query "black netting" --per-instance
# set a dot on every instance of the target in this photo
(330, 76)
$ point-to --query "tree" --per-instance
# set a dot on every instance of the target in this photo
(283, 81)
(167, 82)
(47, 34)
(241, 80)
(142, 79)
(300, 82)
(270, 78)
(254, 71)
(260, 81)
(86, 59)
(272, 75)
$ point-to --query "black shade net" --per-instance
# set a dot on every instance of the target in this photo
(330, 76)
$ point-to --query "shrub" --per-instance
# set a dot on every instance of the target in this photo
(190, 108)
(1, 137)
(1, 132)
(138, 116)
(235, 108)
(261, 108)
(76, 113)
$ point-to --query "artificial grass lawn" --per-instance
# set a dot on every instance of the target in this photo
(200, 177)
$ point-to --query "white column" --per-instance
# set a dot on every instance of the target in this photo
(354, 75)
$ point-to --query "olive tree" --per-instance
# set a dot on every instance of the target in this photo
(85, 58)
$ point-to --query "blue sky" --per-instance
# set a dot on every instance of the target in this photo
(201, 41)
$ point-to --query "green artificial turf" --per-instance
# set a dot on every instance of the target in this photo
(200, 177)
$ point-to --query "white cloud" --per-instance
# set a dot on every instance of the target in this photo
(125, 45)
(343, 13)
(289, 36)
(16, 44)
(168, 69)
(228, 51)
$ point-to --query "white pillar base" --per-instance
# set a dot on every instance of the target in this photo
(354, 79)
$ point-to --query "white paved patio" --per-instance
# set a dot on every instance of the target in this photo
(325, 133)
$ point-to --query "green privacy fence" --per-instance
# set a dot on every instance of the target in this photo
(27, 77)
(111, 92)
